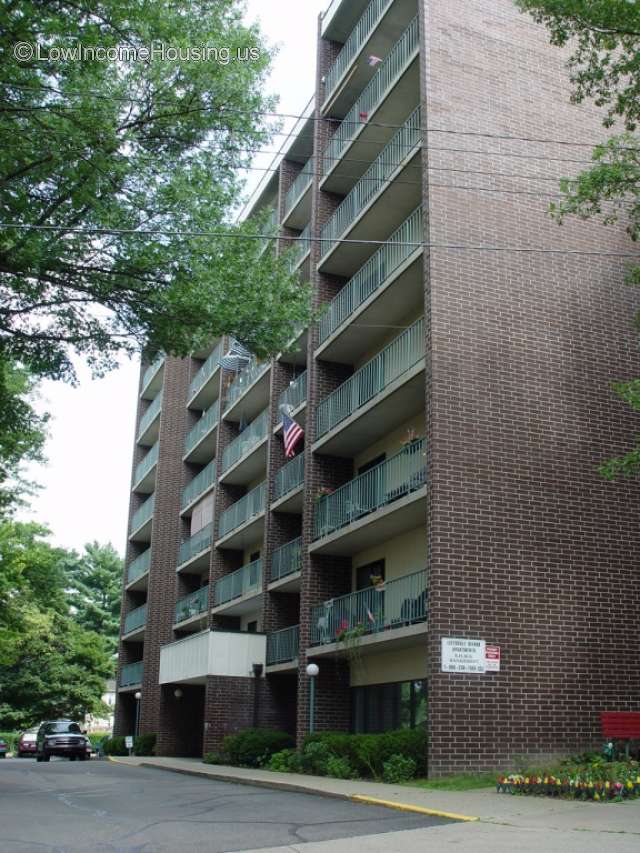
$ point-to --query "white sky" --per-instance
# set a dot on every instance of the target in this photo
(85, 484)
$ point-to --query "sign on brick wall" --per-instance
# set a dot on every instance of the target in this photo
(471, 656)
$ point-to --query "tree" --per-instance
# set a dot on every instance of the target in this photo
(114, 167)
(604, 66)
(95, 587)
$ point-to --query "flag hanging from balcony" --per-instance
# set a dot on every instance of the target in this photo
(237, 356)
(374, 60)
(293, 434)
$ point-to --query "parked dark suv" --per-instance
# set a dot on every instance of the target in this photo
(62, 737)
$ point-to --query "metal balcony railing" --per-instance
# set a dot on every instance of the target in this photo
(300, 248)
(299, 186)
(330, 12)
(140, 566)
(370, 19)
(207, 370)
(401, 245)
(151, 371)
(192, 605)
(242, 582)
(270, 228)
(244, 443)
(196, 544)
(206, 423)
(248, 507)
(289, 477)
(287, 560)
(199, 485)
(147, 463)
(294, 395)
(150, 415)
(394, 604)
(374, 179)
(282, 646)
(135, 619)
(244, 380)
(143, 514)
(388, 74)
(372, 378)
(385, 483)
(131, 673)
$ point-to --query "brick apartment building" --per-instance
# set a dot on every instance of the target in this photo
(455, 397)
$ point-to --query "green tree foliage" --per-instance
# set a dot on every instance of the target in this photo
(604, 36)
(94, 590)
(151, 149)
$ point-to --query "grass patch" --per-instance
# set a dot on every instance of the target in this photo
(460, 782)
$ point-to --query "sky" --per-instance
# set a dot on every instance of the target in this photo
(84, 494)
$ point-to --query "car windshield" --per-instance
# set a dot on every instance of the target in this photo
(62, 728)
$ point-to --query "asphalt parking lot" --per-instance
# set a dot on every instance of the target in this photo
(69, 807)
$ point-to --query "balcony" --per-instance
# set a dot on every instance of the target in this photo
(149, 426)
(135, 622)
(388, 191)
(246, 456)
(297, 202)
(340, 18)
(152, 379)
(372, 295)
(287, 488)
(194, 552)
(248, 395)
(300, 250)
(271, 228)
(393, 613)
(388, 98)
(144, 478)
(286, 565)
(377, 398)
(243, 522)
(295, 396)
(224, 653)
(204, 387)
(138, 569)
(141, 522)
(131, 674)
(198, 487)
(239, 592)
(200, 443)
(192, 607)
(282, 648)
(384, 502)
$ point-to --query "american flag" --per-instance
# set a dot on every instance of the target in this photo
(293, 433)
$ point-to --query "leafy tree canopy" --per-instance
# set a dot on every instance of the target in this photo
(147, 155)
(94, 582)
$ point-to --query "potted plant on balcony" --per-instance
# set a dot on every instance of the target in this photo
(349, 638)
(322, 493)
(411, 439)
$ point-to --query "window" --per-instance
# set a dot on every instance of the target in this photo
(365, 573)
(252, 627)
(384, 707)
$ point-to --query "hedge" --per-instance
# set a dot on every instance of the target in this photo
(254, 747)
(142, 745)
(367, 754)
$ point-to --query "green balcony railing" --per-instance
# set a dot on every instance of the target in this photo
(388, 74)
(299, 186)
(295, 394)
(385, 483)
(245, 379)
(143, 514)
(206, 371)
(300, 248)
(374, 179)
(192, 605)
(282, 646)
(400, 246)
(248, 507)
(131, 673)
(199, 485)
(271, 229)
(244, 581)
(147, 463)
(372, 378)
(244, 443)
(196, 544)
(204, 426)
(135, 619)
(150, 415)
(370, 19)
(140, 566)
(289, 477)
(151, 371)
(287, 560)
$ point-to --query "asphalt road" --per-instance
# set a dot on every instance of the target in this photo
(78, 807)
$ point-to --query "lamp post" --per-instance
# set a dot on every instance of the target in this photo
(312, 672)
(137, 696)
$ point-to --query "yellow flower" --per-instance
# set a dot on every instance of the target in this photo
(606, 785)
(596, 796)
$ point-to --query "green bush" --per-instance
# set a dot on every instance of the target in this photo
(398, 769)
(12, 739)
(314, 758)
(340, 768)
(214, 758)
(144, 744)
(279, 761)
(368, 753)
(96, 738)
(254, 747)
(115, 746)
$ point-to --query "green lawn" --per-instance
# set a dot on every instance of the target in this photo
(461, 782)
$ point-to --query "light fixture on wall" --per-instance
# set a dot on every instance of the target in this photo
(178, 693)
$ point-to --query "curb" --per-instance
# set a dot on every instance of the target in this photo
(278, 785)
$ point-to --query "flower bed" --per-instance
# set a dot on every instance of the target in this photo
(598, 781)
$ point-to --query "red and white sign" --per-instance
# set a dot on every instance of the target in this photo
(492, 658)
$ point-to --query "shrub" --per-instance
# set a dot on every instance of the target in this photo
(96, 738)
(398, 769)
(340, 768)
(314, 758)
(254, 747)
(214, 758)
(115, 746)
(279, 761)
(144, 744)
(12, 739)
(368, 753)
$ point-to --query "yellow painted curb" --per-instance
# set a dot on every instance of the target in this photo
(407, 807)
